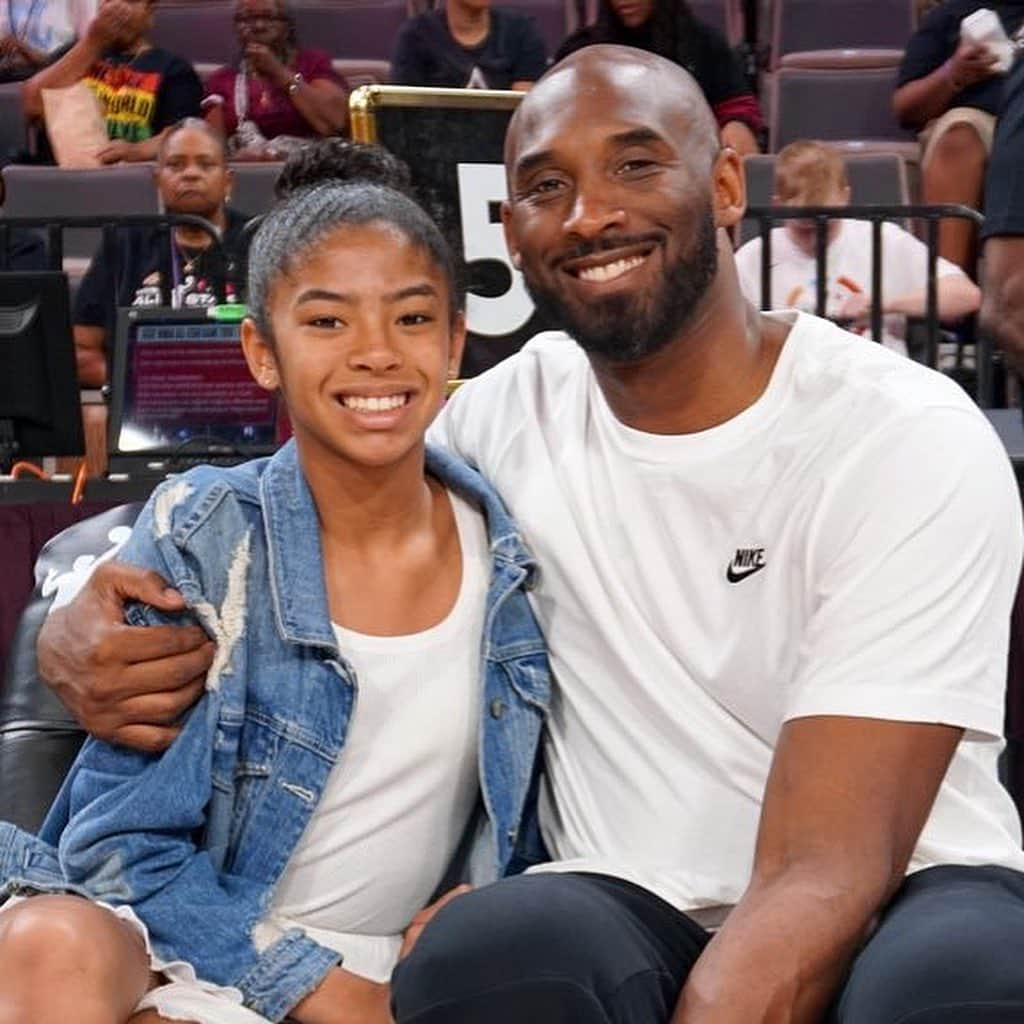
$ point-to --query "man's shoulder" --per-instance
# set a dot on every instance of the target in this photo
(836, 370)
(546, 357)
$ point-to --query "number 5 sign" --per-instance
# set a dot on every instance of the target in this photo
(482, 188)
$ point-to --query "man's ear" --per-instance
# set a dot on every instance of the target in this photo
(259, 355)
(730, 188)
(510, 244)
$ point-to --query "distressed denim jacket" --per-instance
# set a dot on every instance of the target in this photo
(196, 839)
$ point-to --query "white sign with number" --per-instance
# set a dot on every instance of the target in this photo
(480, 186)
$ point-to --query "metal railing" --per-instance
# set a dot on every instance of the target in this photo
(772, 216)
(53, 228)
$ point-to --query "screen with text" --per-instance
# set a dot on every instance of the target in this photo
(187, 387)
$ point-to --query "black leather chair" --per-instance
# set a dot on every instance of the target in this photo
(38, 738)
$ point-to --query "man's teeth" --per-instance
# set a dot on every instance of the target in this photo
(374, 404)
(610, 271)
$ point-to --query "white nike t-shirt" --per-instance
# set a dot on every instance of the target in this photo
(848, 545)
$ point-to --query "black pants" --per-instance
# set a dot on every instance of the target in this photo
(586, 949)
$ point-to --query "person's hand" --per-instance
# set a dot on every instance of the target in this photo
(345, 998)
(262, 60)
(125, 684)
(969, 65)
(10, 46)
(112, 22)
(855, 307)
(425, 916)
(117, 152)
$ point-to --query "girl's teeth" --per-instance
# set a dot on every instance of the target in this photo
(374, 404)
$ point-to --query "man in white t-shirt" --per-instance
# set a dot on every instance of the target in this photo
(776, 570)
(813, 174)
(777, 567)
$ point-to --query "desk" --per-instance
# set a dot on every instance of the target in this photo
(33, 511)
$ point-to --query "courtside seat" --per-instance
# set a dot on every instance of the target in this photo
(38, 738)
(59, 192)
(850, 105)
(253, 191)
(355, 30)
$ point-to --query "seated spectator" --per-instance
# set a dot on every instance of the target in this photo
(469, 45)
(810, 174)
(33, 31)
(670, 29)
(278, 95)
(950, 91)
(192, 176)
(142, 89)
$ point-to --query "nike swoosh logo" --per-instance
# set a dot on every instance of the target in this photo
(736, 577)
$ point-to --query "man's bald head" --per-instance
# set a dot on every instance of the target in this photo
(608, 77)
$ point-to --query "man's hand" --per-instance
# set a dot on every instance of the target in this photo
(425, 916)
(969, 65)
(845, 802)
(125, 684)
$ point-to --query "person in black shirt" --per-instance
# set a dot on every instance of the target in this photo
(951, 91)
(142, 90)
(469, 45)
(670, 29)
(1002, 309)
(193, 177)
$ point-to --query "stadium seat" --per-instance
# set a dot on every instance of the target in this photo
(202, 32)
(359, 72)
(253, 191)
(364, 30)
(849, 104)
(875, 178)
(38, 738)
(58, 192)
(801, 25)
(13, 132)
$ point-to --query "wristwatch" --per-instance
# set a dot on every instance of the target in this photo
(293, 85)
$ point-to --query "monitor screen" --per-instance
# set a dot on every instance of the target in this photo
(186, 390)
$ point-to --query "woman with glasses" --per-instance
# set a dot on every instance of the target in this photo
(278, 95)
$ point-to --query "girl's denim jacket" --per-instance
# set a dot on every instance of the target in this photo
(195, 839)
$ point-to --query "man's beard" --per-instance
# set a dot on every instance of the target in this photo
(626, 328)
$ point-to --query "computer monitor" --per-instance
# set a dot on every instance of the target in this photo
(40, 408)
(182, 393)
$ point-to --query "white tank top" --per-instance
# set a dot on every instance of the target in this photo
(397, 802)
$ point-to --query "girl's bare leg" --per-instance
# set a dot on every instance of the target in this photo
(64, 959)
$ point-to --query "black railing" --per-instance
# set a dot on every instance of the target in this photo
(53, 229)
(770, 216)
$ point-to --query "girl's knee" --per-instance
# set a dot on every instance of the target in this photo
(50, 935)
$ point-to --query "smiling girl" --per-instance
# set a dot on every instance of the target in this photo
(377, 694)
